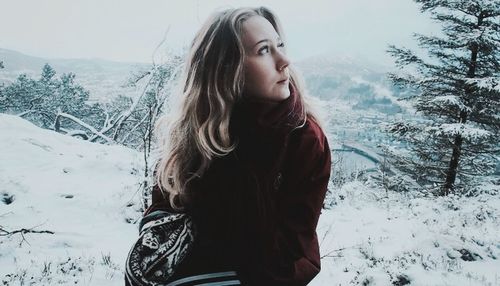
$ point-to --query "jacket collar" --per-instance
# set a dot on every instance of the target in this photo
(282, 117)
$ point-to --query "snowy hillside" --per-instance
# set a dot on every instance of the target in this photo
(85, 195)
(371, 237)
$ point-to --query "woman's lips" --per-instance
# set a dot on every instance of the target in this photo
(283, 81)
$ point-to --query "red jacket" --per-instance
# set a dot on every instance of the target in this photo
(257, 208)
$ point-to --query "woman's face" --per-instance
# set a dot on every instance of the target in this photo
(265, 63)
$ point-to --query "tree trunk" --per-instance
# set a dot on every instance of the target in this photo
(57, 123)
(451, 173)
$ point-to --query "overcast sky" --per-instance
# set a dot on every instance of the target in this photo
(127, 30)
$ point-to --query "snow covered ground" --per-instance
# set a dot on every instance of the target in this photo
(371, 237)
(86, 195)
(83, 192)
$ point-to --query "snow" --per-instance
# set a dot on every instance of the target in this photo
(76, 189)
(467, 131)
(374, 237)
(450, 100)
(86, 194)
(487, 83)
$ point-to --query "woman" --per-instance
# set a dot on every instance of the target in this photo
(246, 158)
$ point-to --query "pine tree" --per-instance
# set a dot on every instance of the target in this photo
(19, 95)
(456, 91)
(49, 102)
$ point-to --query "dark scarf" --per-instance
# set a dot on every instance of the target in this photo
(267, 118)
(262, 128)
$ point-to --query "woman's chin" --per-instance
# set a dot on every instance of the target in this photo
(284, 94)
(277, 96)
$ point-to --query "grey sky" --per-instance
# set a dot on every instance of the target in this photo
(127, 30)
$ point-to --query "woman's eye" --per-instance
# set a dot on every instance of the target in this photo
(264, 50)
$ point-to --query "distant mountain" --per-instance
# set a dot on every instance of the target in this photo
(102, 78)
(359, 82)
(346, 64)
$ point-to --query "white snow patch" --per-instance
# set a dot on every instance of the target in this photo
(488, 83)
(83, 192)
(377, 238)
(465, 130)
(450, 100)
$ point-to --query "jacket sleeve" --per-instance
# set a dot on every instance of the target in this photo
(295, 257)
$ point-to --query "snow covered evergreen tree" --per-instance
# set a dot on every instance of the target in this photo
(457, 92)
(50, 102)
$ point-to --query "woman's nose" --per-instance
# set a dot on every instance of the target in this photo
(283, 61)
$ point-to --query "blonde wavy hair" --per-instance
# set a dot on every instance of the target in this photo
(212, 84)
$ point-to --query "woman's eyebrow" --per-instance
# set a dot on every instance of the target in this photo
(261, 41)
(278, 39)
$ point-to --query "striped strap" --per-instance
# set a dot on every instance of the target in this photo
(210, 279)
